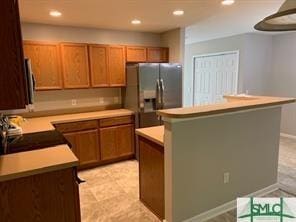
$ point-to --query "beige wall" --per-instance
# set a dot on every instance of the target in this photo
(174, 39)
(101, 36)
(198, 151)
(283, 78)
(255, 54)
(62, 99)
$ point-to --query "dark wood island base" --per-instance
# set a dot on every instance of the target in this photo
(151, 170)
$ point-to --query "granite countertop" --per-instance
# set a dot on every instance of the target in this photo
(155, 134)
(233, 104)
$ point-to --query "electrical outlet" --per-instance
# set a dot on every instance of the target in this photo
(101, 100)
(116, 100)
(226, 177)
(74, 102)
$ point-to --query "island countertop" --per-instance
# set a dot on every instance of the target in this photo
(13, 166)
(233, 104)
(155, 134)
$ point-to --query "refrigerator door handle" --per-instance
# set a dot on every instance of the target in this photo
(158, 94)
(161, 92)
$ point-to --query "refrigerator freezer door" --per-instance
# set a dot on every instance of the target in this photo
(171, 85)
(148, 93)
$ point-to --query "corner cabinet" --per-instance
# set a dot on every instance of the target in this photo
(116, 66)
(12, 72)
(157, 54)
(75, 65)
(46, 64)
(97, 142)
(84, 139)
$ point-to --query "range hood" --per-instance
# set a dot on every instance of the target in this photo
(283, 20)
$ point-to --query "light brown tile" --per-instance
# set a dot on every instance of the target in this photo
(106, 191)
(93, 213)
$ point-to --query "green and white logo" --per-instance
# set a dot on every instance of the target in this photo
(266, 209)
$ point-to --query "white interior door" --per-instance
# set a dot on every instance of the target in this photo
(214, 76)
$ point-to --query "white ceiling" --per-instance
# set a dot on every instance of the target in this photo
(211, 19)
(156, 15)
(236, 19)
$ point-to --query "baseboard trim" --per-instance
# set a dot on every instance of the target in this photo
(288, 136)
(230, 205)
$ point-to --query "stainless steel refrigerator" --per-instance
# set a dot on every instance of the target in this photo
(150, 87)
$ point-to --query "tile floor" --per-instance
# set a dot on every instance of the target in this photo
(111, 193)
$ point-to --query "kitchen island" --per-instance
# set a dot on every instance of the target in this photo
(151, 168)
(216, 153)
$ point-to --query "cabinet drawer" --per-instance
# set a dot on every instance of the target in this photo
(116, 121)
(76, 126)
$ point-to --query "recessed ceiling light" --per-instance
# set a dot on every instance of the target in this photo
(55, 13)
(136, 22)
(178, 12)
(227, 2)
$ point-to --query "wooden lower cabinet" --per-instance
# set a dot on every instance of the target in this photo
(85, 146)
(151, 171)
(97, 142)
(46, 197)
(117, 141)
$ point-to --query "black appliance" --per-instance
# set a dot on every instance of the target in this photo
(33, 141)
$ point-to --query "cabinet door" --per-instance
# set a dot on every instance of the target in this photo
(12, 73)
(108, 143)
(88, 146)
(125, 140)
(47, 197)
(71, 137)
(98, 56)
(85, 146)
(45, 60)
(75, 65)
(117, 65)
(135, 54)
(157, 54)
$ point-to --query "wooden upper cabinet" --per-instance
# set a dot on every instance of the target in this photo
(116, 65)
(45, 61)
(98, 57)
(136, 54)
(12, 72)
(157, 54)
(75, 65)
